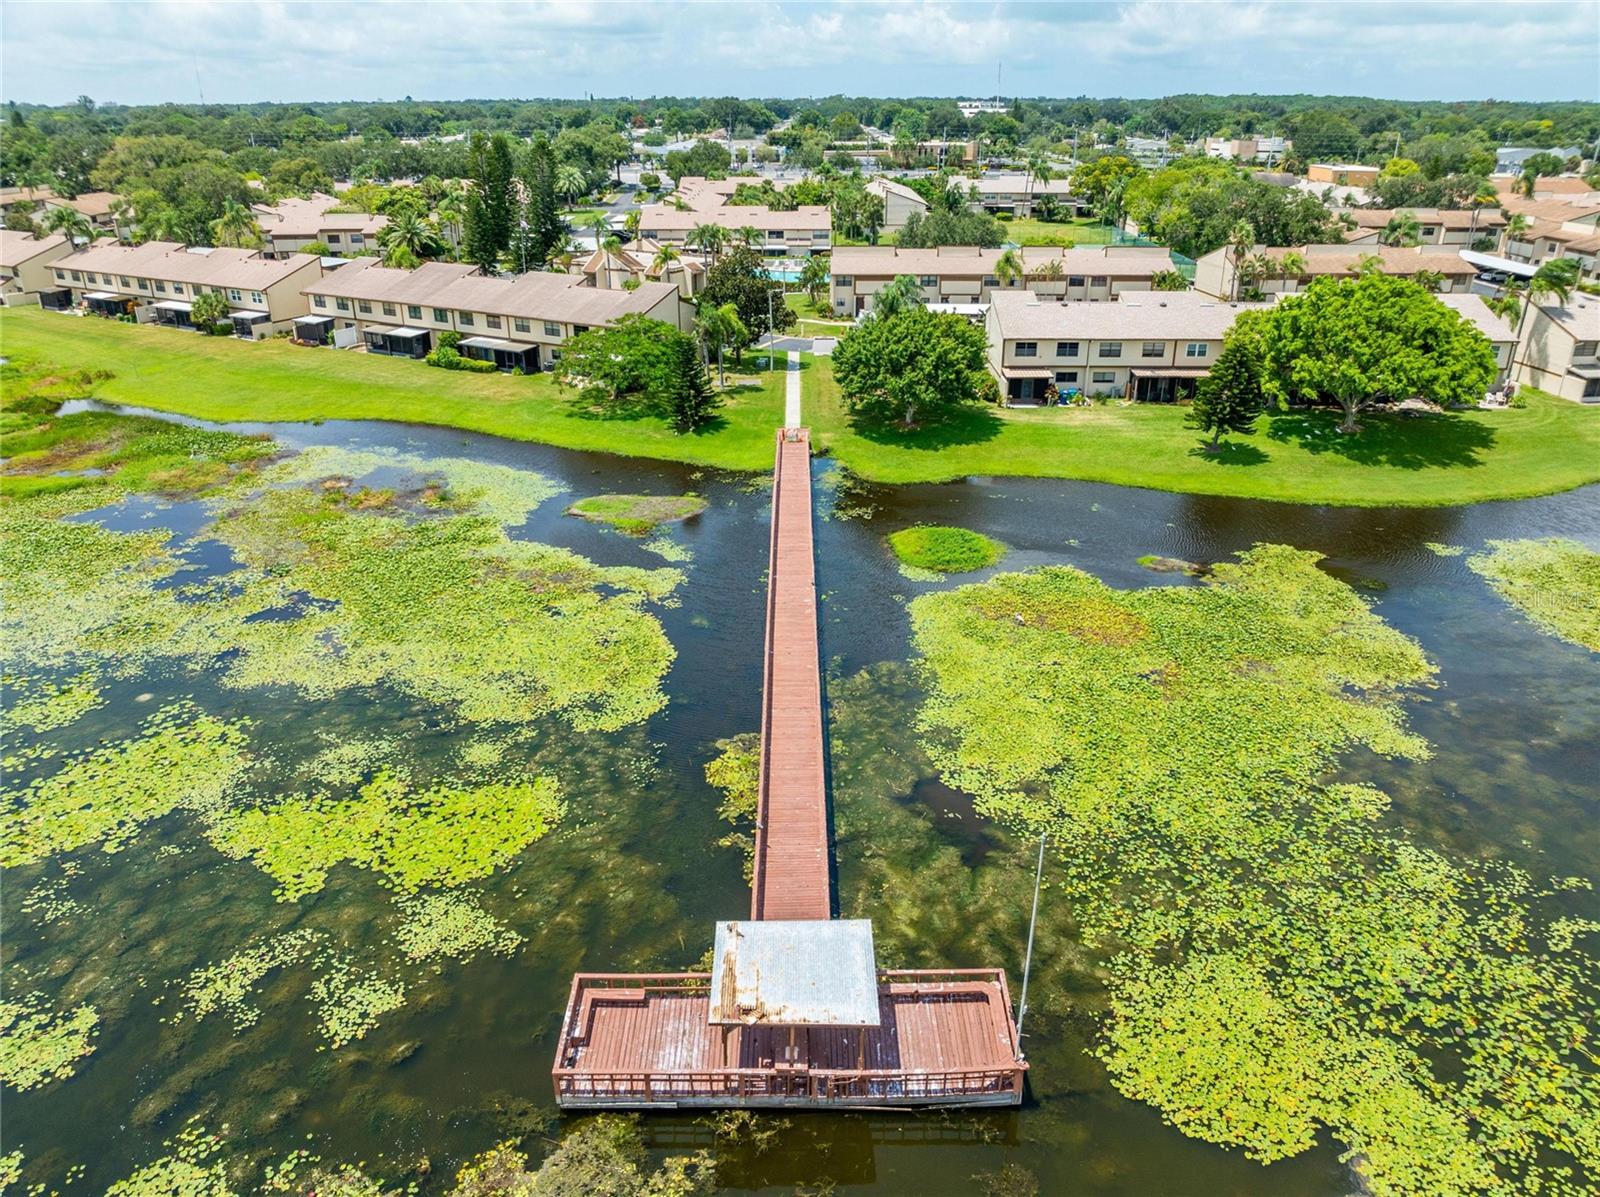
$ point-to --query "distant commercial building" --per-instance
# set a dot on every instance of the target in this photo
(25, 265)
(1215, 274)
(965, 275)
(971, 108)
(1266, 150)
(1342, 174)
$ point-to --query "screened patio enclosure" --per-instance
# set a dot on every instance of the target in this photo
(398, 342)
(506, 355)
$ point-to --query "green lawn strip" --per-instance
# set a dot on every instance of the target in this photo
(638, 514)
(228, 380)
(1041, 232)
(1551, 445)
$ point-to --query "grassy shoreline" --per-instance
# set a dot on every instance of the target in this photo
(1552, 445)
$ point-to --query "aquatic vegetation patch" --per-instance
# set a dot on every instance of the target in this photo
(191, 1169)
(1443, 550)
(448, 609)
(1554, 582)
(350, 1002)
(1280, 959)
(55, 706)
(451, 925)
(604, 1155)
(444, 835)
(307, 1175)
(38, 1045)
(183, 759)
(231, 983)
(669, 550)
(1173, 565)
(945, 550)
(736, 771)
(638, 514)
(10, 1169)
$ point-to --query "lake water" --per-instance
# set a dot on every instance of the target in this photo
(633, 878)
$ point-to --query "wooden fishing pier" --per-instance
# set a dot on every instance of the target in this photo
(795, 1012)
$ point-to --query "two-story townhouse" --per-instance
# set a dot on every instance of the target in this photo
(1497, 330)
(1152, 345)
(1217, 274)
(1014, 194)
(638, 262)
(518, 322)
(790, 234)
(965, 274)
(1342, 174)
(1560, 348)
(1452, 228)
(159, 281)
(1564, 227)
(900, 202)
(25, 274)
(291, 224)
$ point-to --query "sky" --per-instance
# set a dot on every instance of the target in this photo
(151, 51)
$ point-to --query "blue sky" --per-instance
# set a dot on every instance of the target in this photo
(142, 51)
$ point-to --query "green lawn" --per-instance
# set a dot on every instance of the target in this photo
(816, 319)
(1072, 232)
(1551, 445)
(226, 379)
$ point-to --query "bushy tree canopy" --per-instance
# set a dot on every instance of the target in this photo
(914, 364)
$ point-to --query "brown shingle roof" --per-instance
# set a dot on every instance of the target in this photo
(308, 217)
(167, 260)
(1450, 218)
(966, 261)
(805, 218)
(18, 247)
(1139, 315)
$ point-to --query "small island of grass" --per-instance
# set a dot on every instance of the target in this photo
(945, 550)
(638, 514)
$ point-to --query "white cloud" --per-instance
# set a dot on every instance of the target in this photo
(318, 49)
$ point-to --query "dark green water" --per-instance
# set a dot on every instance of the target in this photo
(633, 878)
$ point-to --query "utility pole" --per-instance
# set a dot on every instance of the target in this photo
(1027, 960)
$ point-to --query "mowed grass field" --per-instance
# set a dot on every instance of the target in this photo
(220, 378)
(1467, 457)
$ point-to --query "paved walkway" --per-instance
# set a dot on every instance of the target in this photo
(791, 394)
(790, 879)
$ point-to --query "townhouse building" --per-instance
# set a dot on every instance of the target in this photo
(1455, 228)
(966, 275)
(636, 263)
(25, 260)
(1015, 194)
(1563, 227)
(157, 282)
(1152, 346)
(97, 206)
(1497, 330)
(899, 202)
(1560, 348)
(518, 322)
(790, 234)
(1342, 174)
(291, 224)
(1217, 273)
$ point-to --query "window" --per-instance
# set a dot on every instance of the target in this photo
(1067, 348)
(144, 284)
(319, 301)
(1429, 230)
(61, 276)
(990, 280)
(1104, 376)
(1066, 376)
(1154, 349)
(520, 325)
(333, 238)
(388, 309)
(1027, 349)
(255, 297)
(844, 280)
(161, 287)
(1097, 280)
(76, 277)
(928, 280)
(1110, 348)
(775, 234)
(551, 329)
(1584, 349)
(413, 312)
(465, 318)
(177, 288)
(493, 321)
(357, 239)
(342, 304)
(1196, 349)
(579, 328)
(364, 307)
(235, 296)
(1074, 280)
(440, 316)
(1591, 389)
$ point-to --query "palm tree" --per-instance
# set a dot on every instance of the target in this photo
(719, 327)
(1555, 279)
(407, 240)
(1403, 230)
(897, 295)
(600, 225)
(666, 255)
(1051, 271)
(1484, 197)
(708, 238)
(122, 218)
(1241, 240)
(1292, 265)
(1009, 268)
(570, 182)
(748, 234)
(1368, 264)
(71, 223)
(452, 213)
(631, 222)
(236, 226)
(1038, 169)
(1518, 226)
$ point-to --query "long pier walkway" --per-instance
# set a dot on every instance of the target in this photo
(790, 875)
(795, 1012)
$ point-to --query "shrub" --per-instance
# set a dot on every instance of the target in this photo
(446, 358)
(945, 549)
(650, 181)
(449, 340)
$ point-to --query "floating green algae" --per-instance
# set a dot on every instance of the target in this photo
(1554, 582)
(38, 1045)
(191, 1169)
(182, 759)
(1443, 550)
(638, 514)
(232, 982)
(10, 1169)
(945, 550)
(55, 706)
(1280, 959)
(736, 771)
(451, 925)
(443, 835)
(350, 1001)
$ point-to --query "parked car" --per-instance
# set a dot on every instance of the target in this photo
(1497, 277)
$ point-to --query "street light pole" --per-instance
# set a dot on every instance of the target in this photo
(1027, 960)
